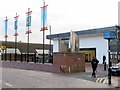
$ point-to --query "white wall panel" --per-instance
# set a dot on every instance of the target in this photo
(97, 42)
(55, 46)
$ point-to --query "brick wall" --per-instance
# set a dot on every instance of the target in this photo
(70, 62)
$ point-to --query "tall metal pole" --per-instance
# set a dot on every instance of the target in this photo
(6, 48)
(117, 38)
(50, 39)
(44, 27)
(16, 34)
(15, 48)
(43, 47)
(28, 47)
(117, 41)
(29, 31)
(109, 70)
(6, 20)
(43, 31)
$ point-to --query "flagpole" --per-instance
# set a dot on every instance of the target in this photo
(43, 26)
(43, 31)
(28, 40)
(50, 39)
(28, 31)
(6, 20)
(16, 34)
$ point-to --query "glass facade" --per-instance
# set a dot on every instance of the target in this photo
(115, 50)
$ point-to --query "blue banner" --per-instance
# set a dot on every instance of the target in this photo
(6, 27)
(44, 18)
(28, 21)
(15, 24)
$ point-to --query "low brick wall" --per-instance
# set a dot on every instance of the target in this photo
(31, 66)
(62, 63)
(70, 62)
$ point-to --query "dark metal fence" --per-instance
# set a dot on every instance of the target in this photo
(23, 57)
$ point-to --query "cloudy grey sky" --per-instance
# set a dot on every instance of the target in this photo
(63, 16)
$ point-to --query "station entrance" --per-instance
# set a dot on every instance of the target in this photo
(89, 53)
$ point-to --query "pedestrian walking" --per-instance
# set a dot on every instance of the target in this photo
(104, 58)
(104, 62)
(94, 64)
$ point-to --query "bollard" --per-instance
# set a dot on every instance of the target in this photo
(15, 57)
(25, 57)
(35, 58)
(5, 56)
(1, 56)
(105, 66)
(10, 56)
(21, 57)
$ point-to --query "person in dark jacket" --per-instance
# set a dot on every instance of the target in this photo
(94, 64)
(104, 58)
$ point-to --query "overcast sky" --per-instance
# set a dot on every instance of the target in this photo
(63, 16)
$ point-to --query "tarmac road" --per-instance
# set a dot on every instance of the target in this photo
(16, 78)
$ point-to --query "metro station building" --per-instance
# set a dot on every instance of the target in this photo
(91, 42)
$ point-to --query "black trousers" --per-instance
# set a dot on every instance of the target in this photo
(93, 73)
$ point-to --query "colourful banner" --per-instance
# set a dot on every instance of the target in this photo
(28, 21)
(15, 24)
(44, 18)
(6, 26)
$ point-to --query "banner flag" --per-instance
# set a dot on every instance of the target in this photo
(6, 26)
(15, 24)
(44, 18)
(28, 21)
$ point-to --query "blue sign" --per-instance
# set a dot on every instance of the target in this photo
(109, 35)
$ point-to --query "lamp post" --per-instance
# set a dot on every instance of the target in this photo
(16, 34)
(28, 24)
